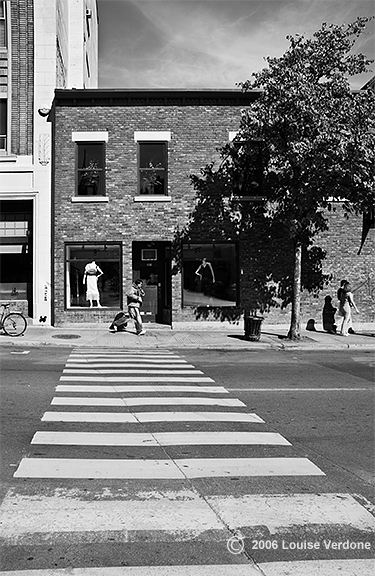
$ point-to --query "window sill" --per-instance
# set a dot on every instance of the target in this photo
(251, 198)
(84, 199)
(4, 157)
(151, 198)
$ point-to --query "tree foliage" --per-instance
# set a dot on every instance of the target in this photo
(317, 141)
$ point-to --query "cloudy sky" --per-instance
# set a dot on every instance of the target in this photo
(209, 43)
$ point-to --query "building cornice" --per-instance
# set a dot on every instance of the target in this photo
(151, 97)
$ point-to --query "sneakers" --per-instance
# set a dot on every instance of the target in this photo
(112, 328)
(141, 333)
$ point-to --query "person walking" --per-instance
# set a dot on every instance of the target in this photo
(345, 309)
(134, 299)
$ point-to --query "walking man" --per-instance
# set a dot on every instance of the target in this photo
(134, 301)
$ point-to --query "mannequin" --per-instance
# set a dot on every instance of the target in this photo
(206, 276)
(90, 278)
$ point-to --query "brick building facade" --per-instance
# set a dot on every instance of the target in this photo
(122, 192)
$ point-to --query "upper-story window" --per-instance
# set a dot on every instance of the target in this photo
(152, 162)
(3, 25)
(248, 162)
(90, 168)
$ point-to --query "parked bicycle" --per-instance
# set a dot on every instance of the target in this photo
(13, 323)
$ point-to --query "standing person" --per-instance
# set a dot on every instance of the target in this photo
(90, 278)
(346, 305)
(339, 291)
(134, 301)
(206, 275)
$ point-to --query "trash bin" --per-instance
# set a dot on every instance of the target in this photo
(252, 327)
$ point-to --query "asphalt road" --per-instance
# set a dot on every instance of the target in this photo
(320, 404)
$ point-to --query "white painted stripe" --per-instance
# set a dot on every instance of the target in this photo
(66, 509)
(245, 389)
(197, 417)
(163, 469)
(190, 379)
(241, 569)
(82, 401)
(227, 467)
(159, 438)
(306, 568)
(350, 567)
(157, 401)
(115, 469)
(88, 417)
(219, 438)
(122, 360)
(93, 439)
(142, 364)
(139, 417)
(141, 388)
(153, 370)
(122, 355)
(286, 511)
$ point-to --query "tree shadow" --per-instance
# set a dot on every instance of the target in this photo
(265, 250)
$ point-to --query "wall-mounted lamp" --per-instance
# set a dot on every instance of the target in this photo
(44, 112)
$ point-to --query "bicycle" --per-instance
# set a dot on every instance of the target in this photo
(13, 323)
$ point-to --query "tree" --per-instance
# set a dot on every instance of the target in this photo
(317, 141)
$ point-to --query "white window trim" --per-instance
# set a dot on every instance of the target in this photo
(90, 199)
(89, 136)
(152, 136)
(151, 198)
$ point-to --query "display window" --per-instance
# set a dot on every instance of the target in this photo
(209, 274)
(93, 278)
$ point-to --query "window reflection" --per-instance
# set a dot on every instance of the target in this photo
(209, 274)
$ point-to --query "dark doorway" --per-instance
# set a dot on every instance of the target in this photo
(16, 251)
(152, 264)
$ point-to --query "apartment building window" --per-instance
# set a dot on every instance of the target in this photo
(3, 25)
(3, 124)
(108, 259)
(152, 162)
(90, 168)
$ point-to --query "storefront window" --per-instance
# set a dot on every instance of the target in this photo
(93, 285)
(209, 274)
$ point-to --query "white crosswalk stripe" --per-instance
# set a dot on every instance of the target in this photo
(144, 388)
(146, 401)
(150, 417)
(158, 438)
(303, 568)
(103, 378)
(141, 432)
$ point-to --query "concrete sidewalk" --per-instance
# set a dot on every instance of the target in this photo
(217, 336)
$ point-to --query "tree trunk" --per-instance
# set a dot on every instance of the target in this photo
(294, 330)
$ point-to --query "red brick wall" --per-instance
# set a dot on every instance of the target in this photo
(22, 53)
(196, 133)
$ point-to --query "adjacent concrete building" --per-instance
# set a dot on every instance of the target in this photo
(44, 44)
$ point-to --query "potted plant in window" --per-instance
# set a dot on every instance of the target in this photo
(90, 178)
(151, 182)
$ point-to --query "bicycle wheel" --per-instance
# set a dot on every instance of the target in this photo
(14, 324)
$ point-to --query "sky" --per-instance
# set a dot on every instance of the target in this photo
(195, 44)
